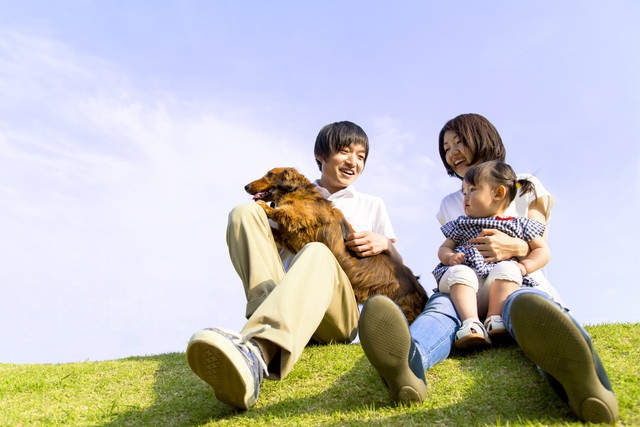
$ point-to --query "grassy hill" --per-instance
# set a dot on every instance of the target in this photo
(331, 385)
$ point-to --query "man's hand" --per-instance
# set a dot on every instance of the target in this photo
(367, 243)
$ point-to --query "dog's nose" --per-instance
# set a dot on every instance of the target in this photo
(246, 187)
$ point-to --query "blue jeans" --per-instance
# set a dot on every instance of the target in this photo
(434, 331)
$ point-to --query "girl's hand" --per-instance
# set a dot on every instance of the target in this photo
(456, 258)
(494, 245)
(367, 243)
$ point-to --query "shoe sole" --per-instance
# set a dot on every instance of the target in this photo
(472, 341)
(551, 340)
(207, 356)
(387, 347)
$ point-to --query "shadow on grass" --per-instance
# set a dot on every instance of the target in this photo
(181, 399)
(513, 393)
(510, 392)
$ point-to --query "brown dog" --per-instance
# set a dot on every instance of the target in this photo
(304, 216)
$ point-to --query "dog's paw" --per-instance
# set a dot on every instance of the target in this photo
(268, 209)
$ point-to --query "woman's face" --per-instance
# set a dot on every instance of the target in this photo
(457, 155)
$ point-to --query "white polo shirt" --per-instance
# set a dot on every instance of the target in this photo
(363, 211)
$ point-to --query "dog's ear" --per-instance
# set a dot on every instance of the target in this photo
(286, 182)
(346, 229)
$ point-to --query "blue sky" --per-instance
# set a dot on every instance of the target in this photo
(128, 130)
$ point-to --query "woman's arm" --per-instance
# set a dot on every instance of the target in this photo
(494, 245)
(539, 210)
(538, 257)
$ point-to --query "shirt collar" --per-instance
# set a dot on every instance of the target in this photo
(348, 192)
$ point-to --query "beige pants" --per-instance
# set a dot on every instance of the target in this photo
(313, 300)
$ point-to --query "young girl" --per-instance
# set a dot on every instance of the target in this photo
(477, 286)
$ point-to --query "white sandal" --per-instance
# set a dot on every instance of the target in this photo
(471, 334)
(495, 327)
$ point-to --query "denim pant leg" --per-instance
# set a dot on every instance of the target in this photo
(434, 331)
(506, 310)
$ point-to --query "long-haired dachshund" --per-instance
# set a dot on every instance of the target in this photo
(304, 216)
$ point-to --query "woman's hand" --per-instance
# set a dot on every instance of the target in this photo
(367, 243)
(494, 245)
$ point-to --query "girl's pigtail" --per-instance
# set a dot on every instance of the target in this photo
(525, 186)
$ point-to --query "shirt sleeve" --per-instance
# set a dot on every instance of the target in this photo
(382, 224)
(450, 230)
(451, 207)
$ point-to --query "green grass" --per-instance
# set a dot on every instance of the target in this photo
(331, 385)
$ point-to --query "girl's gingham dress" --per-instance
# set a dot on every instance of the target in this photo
(464, 228)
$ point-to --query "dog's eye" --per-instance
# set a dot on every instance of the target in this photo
(269, 175)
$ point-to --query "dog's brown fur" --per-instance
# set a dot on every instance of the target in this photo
(304, 216)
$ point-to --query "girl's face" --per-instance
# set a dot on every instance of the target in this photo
(342, 168)
(457, 155)
(481, 201)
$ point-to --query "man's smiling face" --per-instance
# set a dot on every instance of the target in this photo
(342, 168)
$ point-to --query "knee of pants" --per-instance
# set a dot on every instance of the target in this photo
(504, 270)
(506, 310)
(247, 210)
(523, 291)
(315, 249)
(316, 253)
(458, 275)
(440, 304)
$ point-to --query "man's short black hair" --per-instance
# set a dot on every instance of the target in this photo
(336, 136)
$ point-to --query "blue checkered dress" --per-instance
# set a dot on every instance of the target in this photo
(464, 228)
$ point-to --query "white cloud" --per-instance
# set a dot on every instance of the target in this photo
(116, 203)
